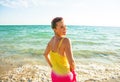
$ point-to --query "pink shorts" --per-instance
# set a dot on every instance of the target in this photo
(71, 77)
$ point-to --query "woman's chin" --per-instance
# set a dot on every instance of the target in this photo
(64, 35)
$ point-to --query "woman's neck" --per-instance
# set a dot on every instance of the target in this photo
(58, 37)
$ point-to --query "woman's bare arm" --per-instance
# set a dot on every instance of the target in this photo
(46, 53)
(69, 54)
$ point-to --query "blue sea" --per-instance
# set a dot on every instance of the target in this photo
(89, 42)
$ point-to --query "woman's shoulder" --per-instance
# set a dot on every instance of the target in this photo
(66, 40)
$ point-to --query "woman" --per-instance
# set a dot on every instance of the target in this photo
(59, 55)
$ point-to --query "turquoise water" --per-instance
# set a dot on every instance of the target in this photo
(87, 41)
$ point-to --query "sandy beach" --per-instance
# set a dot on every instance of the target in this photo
(88, 71)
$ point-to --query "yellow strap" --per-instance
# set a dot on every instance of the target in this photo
(60, 43)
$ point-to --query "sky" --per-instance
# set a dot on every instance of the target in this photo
(74, 12)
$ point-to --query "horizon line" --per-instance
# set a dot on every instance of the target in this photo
(50, 25)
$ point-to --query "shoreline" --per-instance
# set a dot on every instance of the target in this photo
(88, 71)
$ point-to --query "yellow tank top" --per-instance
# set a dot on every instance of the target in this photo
(59, 63)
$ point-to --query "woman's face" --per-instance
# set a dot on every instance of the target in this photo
(60, 29)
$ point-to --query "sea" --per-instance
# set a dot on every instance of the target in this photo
(99, 43)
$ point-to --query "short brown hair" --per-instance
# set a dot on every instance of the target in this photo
(54, 21)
